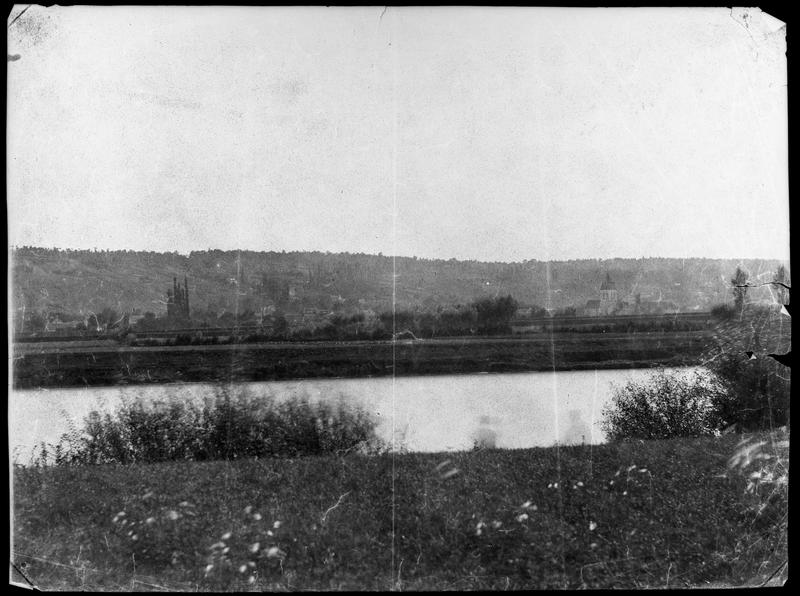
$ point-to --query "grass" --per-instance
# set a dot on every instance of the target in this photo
(671, 513)
(79, 365)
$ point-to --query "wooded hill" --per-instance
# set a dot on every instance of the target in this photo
(79, 281)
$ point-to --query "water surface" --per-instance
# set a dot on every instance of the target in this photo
(430, 413)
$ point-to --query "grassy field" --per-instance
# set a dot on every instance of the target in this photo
(43, 365)
(659, 514)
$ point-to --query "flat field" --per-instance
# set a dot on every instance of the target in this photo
(630, 515)
(67, 364)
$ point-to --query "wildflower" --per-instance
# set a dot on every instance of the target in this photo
(633, 467)
(522, 517)
(254, 547)
(150, 521)
(479, 528)
(251, 579)
(535, 508)
(274, 551)
(130, 533)
(226, 535)
(209, 568)
(217, 545)
(276, 525)
(643, 470)
(269, 532)
(248, 509)
(624, 492)
(580, 483)
(121, 514)
(593, 545)
(243, 569)
(225, 550)
(173, 515)
(496, 524)
(555, 485)
(251, 564)
(256, 516)
(526, 504)
(592, 526)
(134, 537)
(550, 485)
(184, 504)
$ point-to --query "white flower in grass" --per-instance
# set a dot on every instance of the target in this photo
(134, 537)
(150, 521)
(226, 535)
(276, 525)
(496, 524)
(226, 550)
(217, 545)
(269, 532)
(526, 504)
(254, 547)
(522, 517)
(580, 483)
(592, 526)
(173, 515)
(208, 569)
(256, 516)
(243, 569)
(251, 580)
(251, 564)
(274, 552)
(479, 528)
(248, 509)
(184, 504)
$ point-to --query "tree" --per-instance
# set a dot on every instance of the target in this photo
(739, 283)
(494, 314)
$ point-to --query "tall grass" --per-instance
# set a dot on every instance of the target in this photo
(230, 424)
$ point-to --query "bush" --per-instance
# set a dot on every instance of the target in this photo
(665, 406)
(227, 426)
(756, 392)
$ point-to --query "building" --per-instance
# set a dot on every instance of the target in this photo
(178, 300)
(608, 296)
(607, 304)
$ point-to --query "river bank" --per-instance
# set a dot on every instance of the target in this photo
(71, 364)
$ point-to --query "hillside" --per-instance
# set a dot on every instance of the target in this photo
(79, 281)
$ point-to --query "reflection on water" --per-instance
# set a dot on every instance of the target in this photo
(432, 413)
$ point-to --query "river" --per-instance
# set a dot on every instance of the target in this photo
(430, 413)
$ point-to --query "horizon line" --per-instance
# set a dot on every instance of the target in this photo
(388, 256)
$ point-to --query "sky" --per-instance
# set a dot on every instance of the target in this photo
(470, 133)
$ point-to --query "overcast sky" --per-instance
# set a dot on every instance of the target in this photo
(474, 133)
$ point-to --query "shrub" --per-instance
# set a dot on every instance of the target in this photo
(228, 425)
(756, 393)
(667, 405)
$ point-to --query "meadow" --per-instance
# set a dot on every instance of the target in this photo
(674, 513)
(77, 364)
